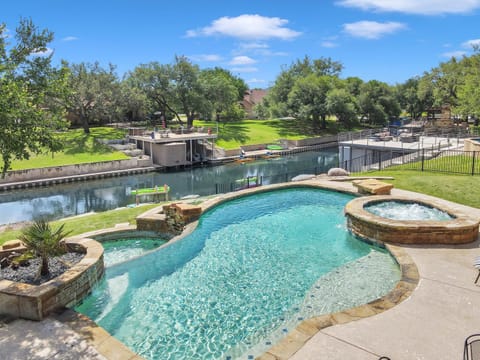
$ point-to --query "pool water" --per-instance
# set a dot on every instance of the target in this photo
(117, 251)
(397, 210)
(251, 271)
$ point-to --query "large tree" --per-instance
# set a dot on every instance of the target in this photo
(308, 99)
(279, 94)
(378, 103)
(154, 80)
(31, 94)
(187, 88)
(95, 94)
(222, 92)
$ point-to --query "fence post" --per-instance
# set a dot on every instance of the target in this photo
(423, 157)
(473, 162)
(379, 160)
(216, 188)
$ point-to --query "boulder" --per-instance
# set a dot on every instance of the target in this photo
(337, 172)
(12, 244)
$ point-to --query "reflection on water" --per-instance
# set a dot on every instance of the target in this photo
(63, 200)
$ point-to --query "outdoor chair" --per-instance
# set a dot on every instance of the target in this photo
(471, 350)
(476, 264)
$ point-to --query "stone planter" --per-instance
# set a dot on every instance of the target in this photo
(34, 302)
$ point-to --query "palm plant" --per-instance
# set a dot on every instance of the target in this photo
(44, 241)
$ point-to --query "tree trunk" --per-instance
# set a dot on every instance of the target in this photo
(44, 269)
(86, 127)
(324, 122)
(315, 122)
(190, 117)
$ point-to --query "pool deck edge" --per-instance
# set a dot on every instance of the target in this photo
(297, 338)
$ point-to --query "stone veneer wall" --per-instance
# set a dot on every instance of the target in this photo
(34, 302)
(471, 145)
(460, 230)
(72, 170)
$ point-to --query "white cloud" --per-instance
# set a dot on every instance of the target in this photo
(372, 29)
(242, 60)
(423, 7)
(455, 54)
(328, 44)
(206, 57)
(248, 27)
(69, 38)
(256, 81)
(471, 43)
(253, 46)
(246, 69)
(45, 52)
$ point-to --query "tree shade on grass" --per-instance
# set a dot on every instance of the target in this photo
(232, 135)
(79, 148)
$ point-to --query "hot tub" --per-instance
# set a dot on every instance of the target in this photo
(456, 228)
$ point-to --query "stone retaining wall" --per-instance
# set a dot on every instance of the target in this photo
(34, 302)
(72, 170)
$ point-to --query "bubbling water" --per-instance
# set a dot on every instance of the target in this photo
(398, 210)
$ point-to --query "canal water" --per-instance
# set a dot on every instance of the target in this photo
(63, 200)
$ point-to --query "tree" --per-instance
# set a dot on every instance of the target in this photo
(221, 90)
(155, 81)
(187, 88)
(44, 241)
(308, 99)
(31, 94)
(410, 98)
(95, 94)
(342, 104)
(468, 91)
(278, 96)
(377, 102)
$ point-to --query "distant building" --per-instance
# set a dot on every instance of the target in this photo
(252, 98)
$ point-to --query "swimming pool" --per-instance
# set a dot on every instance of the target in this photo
(251, 271)
(117, 251)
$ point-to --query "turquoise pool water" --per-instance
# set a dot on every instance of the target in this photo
(117, 251)
(251, 271)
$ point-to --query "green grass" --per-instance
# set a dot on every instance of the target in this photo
(461, 164)
(89, 222)
(234, 134)
(462, 189)
(79, 148)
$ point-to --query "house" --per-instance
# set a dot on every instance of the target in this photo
(250, 99)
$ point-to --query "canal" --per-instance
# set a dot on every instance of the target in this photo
(63, 200)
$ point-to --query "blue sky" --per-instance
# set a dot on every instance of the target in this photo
(386, 40)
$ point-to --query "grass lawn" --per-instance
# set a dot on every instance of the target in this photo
(234, 134)
(79, 148)
(462, 189)
(90, 222)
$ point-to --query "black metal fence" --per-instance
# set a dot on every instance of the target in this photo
(433, 160)
(258, 180)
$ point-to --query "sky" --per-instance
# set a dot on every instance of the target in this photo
(385, 40)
